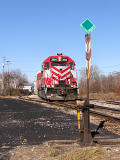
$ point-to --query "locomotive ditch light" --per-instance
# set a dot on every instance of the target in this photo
(73, 86)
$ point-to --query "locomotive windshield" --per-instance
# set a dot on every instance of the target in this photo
(71, 65)
(46, 65)
(58, 64)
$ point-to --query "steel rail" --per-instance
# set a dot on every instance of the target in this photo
(113, 102)
(107, 101)
(106, 108)
(71, 106)
(105, 115)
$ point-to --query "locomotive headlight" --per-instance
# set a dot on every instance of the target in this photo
(53, 86)
(73, 86)
(59, 59)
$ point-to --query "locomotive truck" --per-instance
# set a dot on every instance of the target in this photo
(57, 79)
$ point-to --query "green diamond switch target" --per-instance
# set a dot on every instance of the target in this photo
(87, 26)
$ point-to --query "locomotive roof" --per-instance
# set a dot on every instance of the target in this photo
(48, 59)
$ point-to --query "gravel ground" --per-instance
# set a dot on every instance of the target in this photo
(26, 123)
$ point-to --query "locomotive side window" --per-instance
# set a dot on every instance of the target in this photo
(71, 65)
(46, 65)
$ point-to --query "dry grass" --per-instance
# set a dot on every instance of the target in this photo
(104, 96)
(89, 153)
(56, 152)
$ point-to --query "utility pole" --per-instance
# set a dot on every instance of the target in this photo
(3, 66)
(8, 63)
(8, 77)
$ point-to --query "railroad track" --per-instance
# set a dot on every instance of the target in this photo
(107, 108)
(62, 104)
(107, 101)
(72, 105)
(98, 113)
(113, 102)
(105, 116)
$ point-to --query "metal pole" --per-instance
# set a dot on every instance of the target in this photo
(87, 91)
(8, 77)
(87, 138)
(88, 61)
(88, 28)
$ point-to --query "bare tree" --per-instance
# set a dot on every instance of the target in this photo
(14, 80)
(95, 82)
(82, 82)
(99, 83)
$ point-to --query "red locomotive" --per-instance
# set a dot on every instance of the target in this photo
(57, 78)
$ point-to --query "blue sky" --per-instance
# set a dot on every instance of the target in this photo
(32, 30)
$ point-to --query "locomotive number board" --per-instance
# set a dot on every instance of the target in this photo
(53, 59)
(64, 59)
